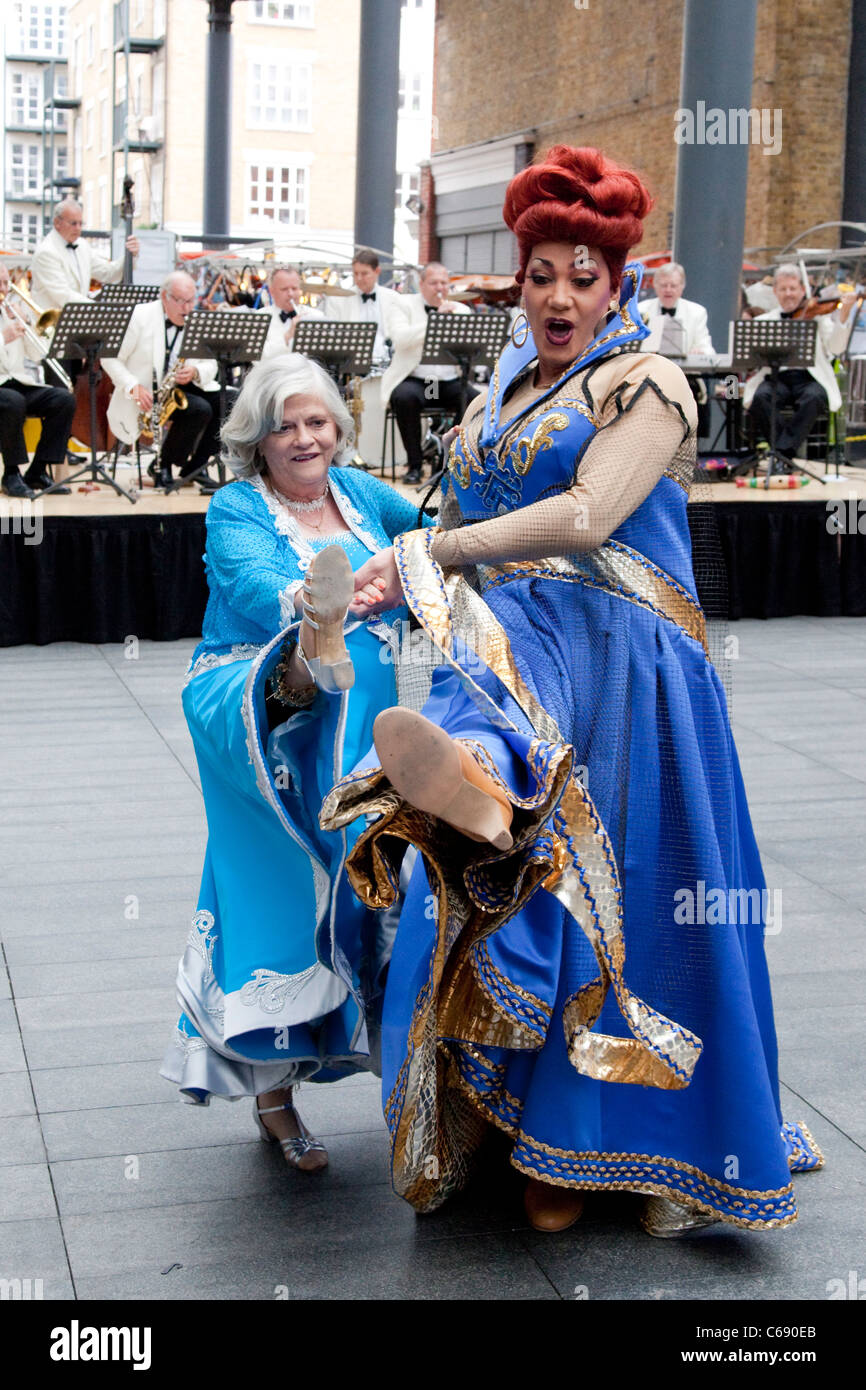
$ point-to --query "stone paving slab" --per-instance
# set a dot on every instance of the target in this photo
(107, 1181)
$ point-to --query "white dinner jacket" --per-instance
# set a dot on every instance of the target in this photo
(830, 341)
(13, 361)
(275, 342)
(142, 353)
(348, 307)
(407, 333)
(61, 276)
(693, 318)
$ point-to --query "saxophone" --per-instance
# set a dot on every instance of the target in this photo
(166, 400)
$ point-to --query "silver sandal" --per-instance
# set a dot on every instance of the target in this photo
(296, 1147)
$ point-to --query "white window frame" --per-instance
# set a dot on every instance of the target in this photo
(288, 68)
(258, 162)
(290, 14)
(89, 121)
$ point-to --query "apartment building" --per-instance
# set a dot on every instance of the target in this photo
(34, 158)
(138, 68)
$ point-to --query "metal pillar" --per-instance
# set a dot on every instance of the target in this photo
(854, 195)
(710, 204)
(217, 120)
(376, 165)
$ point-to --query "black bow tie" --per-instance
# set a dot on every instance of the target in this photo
(672, 312)
(371, 295)
(431, 308)
(72, 245)
(288, 314)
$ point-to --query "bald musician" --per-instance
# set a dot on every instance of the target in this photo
(63, 266)
(285, 310)
(152, 346)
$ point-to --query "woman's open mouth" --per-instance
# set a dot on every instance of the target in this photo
(558, 331)
(305, 458)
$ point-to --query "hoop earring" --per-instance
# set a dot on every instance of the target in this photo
(520, 316)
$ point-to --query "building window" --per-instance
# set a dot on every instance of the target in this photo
(279, 193)
(104, 38)
(24, 102)
(407, 185)
(104, 126)
(409, 92)
(279, 96)
(88, 126)
(300, 15)
(24, 230)
(103, 202)
(91, 40)
(61, 162)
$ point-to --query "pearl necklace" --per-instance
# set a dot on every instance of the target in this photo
(301, 508)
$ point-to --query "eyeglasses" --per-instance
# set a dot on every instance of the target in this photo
(184, 303)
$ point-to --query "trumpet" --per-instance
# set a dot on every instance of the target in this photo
(39, 337)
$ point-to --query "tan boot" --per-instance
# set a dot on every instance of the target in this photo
(437, 775)
(550, 1208)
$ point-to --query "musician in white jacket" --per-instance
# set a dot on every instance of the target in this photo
(23, 394)
(63, 266)
(371, 303)
(153, 345)
(807, 389)
(678, 328)
(411, 384)
(286, 310)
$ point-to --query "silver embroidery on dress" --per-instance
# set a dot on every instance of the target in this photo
(208, 661)
(269, 990)
(189, 1044)
(202, 939)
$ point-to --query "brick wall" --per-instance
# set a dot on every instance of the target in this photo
(609, 75)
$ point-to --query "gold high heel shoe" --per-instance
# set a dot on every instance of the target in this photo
(666, 1218)
(328, 590)
(437, 775)
(302, 1151)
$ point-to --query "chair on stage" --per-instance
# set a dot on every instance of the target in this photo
(435, 415)
(825, 442)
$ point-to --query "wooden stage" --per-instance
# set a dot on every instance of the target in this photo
(93, 567)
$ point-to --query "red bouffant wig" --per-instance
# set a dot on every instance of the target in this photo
(579, 196)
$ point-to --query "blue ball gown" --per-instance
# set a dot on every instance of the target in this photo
(283, 965)
(600, 991)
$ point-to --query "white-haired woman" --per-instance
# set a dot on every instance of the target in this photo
(283, 962)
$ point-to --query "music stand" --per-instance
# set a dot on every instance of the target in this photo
(463, 340)
(344, 348)
(127, 294)
(235, 339)
(775, 343)
(91, 330)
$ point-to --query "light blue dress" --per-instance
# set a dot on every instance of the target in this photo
(283, 965)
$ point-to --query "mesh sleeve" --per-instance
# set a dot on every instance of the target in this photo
(644, 434)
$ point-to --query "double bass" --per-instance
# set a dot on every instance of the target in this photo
(80, 428)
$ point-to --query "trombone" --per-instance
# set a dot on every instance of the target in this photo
(40, 338)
